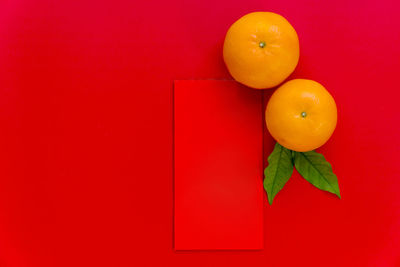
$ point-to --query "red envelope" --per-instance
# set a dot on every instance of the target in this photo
(218, 166)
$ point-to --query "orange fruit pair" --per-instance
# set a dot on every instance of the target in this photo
(261, 50)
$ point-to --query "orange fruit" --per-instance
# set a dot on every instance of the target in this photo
(261, 50)
(301, 115)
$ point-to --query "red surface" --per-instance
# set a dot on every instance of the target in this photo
(86, 131)
(218, 161)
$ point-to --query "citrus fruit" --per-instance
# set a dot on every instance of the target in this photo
(261, 50)
(301, 115)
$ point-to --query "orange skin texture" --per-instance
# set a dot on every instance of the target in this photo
(286, 121)
(261, 67)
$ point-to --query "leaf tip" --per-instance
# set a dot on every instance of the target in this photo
(270, 200)
(337, 192)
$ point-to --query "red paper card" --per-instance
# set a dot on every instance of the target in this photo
(218, 166)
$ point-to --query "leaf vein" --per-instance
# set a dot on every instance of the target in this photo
(312, 165)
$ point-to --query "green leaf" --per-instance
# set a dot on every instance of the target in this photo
(316, 170)
(278, 171)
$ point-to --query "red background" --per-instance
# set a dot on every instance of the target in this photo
(86, 131)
